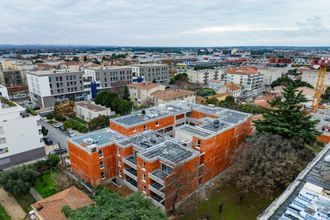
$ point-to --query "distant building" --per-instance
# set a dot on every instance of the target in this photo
(51, 207)
(20, 136)
(50, 86)
(168, 95)
(151, 72)
(270, 74)
(140, 93)
(310, 76)
(204, 76)
(250, 80)
(89, 110)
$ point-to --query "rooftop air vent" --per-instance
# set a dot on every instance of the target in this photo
(216, 123)
(327, 159)
(143, 111)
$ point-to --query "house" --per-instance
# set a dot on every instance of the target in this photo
(89, 110)
(148, 150)
(168, 95)
(222, 96)
(140, 93)
(51, 207)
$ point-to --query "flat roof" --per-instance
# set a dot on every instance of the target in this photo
(91, 106)
(169, 151)
(144, 140)
(195, 130)
(97, 138)
(51, 72)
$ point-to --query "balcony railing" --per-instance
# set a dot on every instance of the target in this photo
(130, 161)
(158, 176)
(154, 187)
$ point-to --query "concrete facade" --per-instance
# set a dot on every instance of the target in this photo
(151, 72)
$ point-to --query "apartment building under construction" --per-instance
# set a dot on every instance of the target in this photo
(166, 152)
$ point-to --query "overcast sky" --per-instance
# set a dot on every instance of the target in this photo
(166, 22)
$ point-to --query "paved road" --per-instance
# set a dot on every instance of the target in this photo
(55, 134)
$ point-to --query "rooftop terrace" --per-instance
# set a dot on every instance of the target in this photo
(97, 138)
(145, 140)
(169, 151)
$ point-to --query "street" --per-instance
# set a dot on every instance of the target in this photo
(55, 134)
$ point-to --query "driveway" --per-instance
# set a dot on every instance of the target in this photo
(13, 209)
(57, 136)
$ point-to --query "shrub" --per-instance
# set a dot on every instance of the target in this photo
(60, 118)
(50, 115)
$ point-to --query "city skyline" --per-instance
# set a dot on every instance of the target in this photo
(156, 23)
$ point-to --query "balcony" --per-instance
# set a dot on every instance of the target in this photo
(130, 161)
(157, 200)
(130, 172)
(131, 183)
(158, 176)
(157, 188)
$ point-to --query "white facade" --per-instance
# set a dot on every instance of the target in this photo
(272, 73)
(204, 76)
(251, 84)
(140, 95)
(4, 92)
(20, 138)
(310, 76)
(151, 72)
(89, 110)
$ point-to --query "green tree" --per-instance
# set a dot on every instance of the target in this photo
(126, 94)
(102, 121)
(122, 106)
(105, 98)
(18, 181)
(288, 118)
(285, 81)
(113, 206)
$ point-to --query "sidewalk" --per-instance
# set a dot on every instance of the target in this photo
(11, 206)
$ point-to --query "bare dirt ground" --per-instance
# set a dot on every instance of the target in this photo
(11, 206)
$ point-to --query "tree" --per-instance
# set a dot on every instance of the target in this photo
(122, 106)
(287, 117)
(181, 182)
(126, 94)
(102, 121)
(18, 181)
(285, 81)
(64, 108)
(85, 58)
(105, 98)
(113, 206)
(268, 163)
(44, 130)
(154, 80)
(75, 59)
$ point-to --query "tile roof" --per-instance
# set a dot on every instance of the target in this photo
(143, 85)
(51, 207)
(232, 87)
(242, 71)
(170, 94)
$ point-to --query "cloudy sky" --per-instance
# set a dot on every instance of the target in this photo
(166, 22)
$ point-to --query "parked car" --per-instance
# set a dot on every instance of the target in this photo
(48, 141)
(70, 133)
(62, 128)
(58, 151)
(57, 125)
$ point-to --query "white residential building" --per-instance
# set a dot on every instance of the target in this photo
(20, 137)
(204, 76)
(271, 74)
(250, 80)
(151, 72)
(140, 93)
(89, 110)
(311, 76)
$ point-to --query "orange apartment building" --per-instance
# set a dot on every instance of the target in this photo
(166, 152)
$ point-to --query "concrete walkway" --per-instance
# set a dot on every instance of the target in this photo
(11, 206)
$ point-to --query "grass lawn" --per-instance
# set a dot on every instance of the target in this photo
(249, 208)
(46, 184)
(25, 202)
(3, 214)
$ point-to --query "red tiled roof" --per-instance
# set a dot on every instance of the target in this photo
(51, 207)
(242, 70)
(232, 87)
(143, 85)
(170, 94)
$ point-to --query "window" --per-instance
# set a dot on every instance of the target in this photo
(134, 130)
(166, 169)
(143, 165)
(100, 153)
(3, 140)
(1, 130)
(144, 177)
(3, 150)
(144, 188)
(102, 165)
(102, 176)
(144, 127)
(198, 143)
(157, 123)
